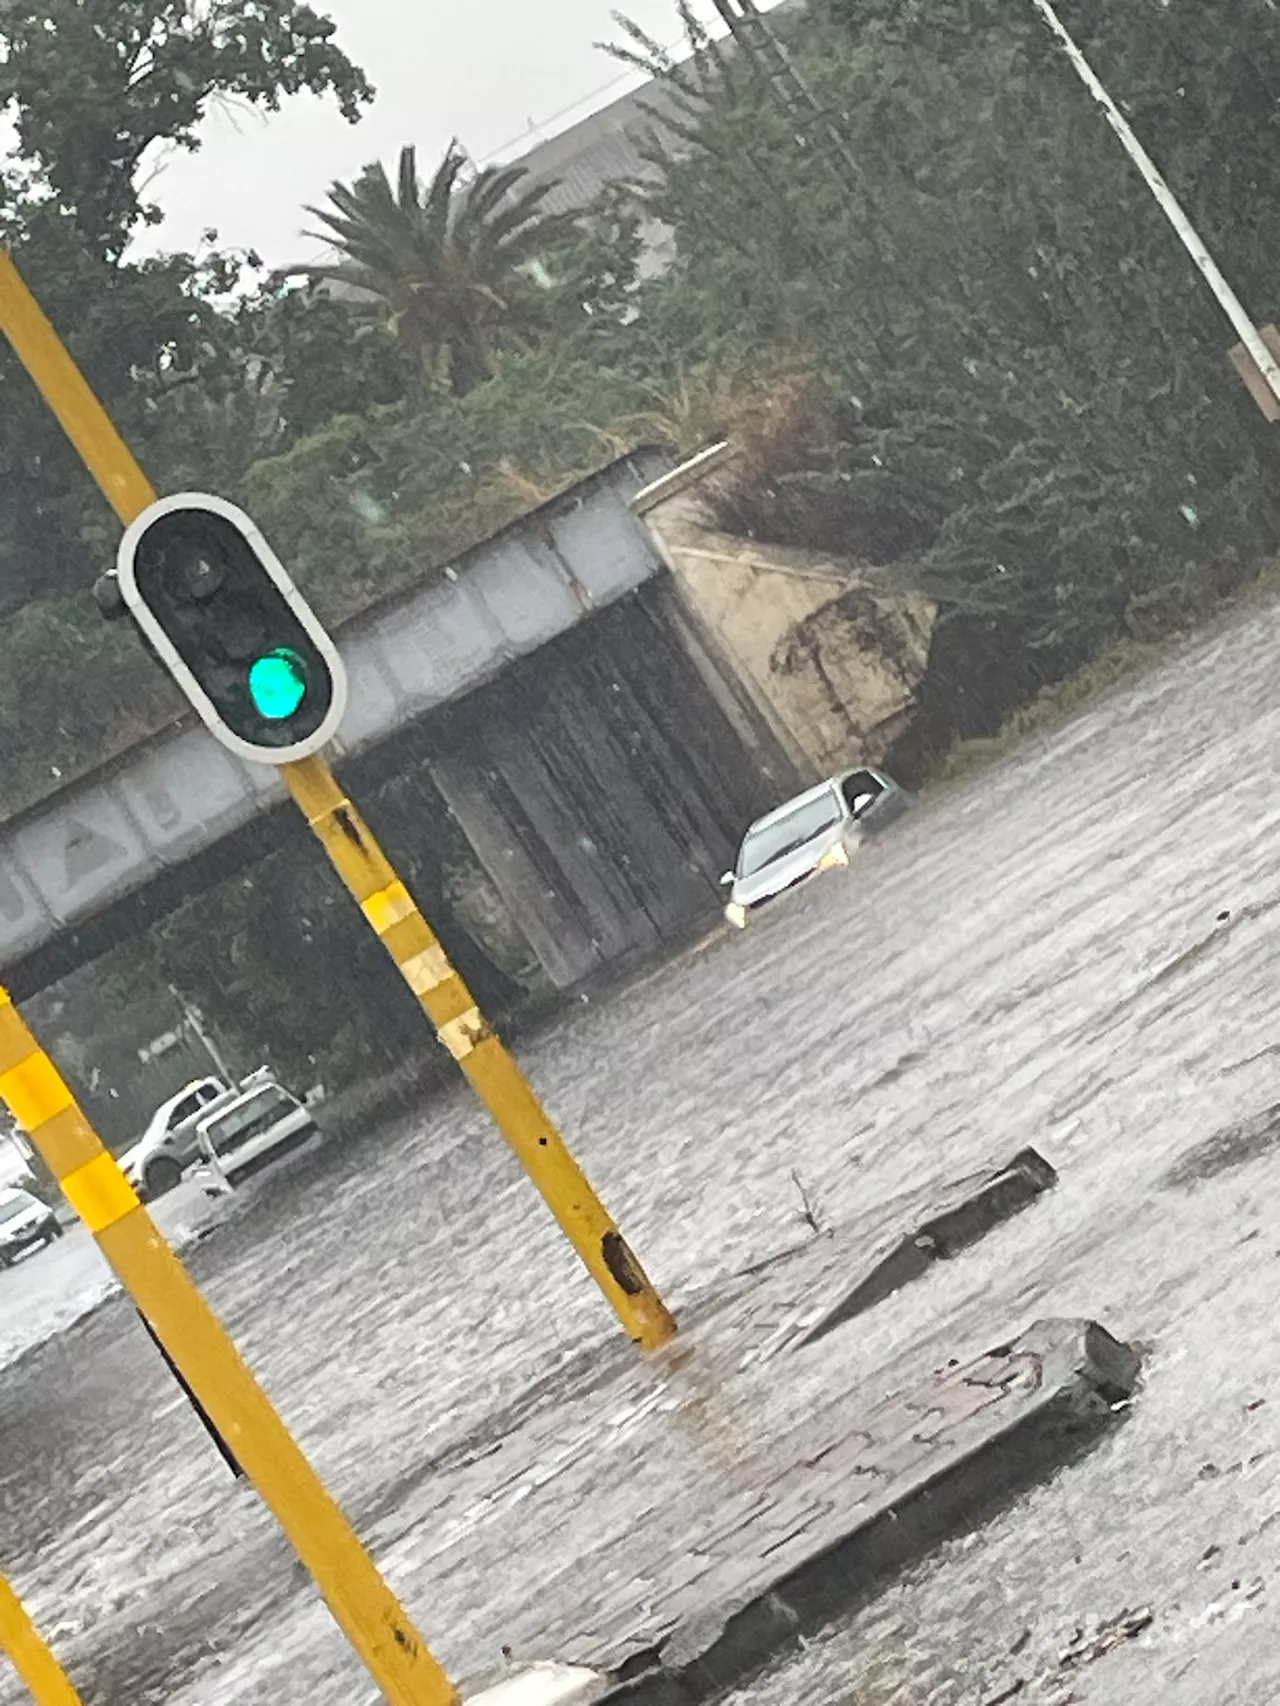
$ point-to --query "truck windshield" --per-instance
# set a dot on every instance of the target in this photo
(248, 1119)
(763, 843)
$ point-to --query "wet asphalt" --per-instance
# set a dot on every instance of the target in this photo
(1077, 949)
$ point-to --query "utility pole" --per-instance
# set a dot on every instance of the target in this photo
(756, 37)
(1241, 320)
(194, 1021)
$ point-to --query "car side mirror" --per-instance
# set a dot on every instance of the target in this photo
(726, 881)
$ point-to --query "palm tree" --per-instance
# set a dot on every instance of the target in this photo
(454, 267)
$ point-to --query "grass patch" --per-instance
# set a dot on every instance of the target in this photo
(1051, 707)
(1121, 663)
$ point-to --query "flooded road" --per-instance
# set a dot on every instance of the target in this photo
(1077, 950)
(55, 1287)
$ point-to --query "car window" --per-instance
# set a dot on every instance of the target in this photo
(183, 1111)
(208, 1093)
(229, 1130)
(861, 782)
(861, 789)
(12, 1207)
(763, 843)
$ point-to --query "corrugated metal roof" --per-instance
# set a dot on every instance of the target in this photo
(608, 147)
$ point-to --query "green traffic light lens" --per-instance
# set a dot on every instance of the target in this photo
(278, 683)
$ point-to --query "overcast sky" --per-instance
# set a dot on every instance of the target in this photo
(485, 72)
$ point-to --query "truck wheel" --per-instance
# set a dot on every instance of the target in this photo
(163, 1175)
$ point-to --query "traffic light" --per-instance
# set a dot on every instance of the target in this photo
(224, 618)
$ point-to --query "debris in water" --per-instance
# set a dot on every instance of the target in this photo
(1086, 1646)
(808, 1213)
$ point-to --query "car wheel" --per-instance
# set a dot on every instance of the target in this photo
(56, 1230)
(162, 1176)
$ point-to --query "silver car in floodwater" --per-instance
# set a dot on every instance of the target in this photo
(816, 831)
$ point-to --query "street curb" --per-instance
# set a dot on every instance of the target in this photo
(977, 1206)
(860, 1270)
(1081, 1379)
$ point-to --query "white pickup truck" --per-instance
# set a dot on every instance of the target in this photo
(170, 1144)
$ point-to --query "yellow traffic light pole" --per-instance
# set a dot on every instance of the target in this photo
(368, 874)
(492, 1071)
(34, 1663)
(35, 1093)
(33, 1090)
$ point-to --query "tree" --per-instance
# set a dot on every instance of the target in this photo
(199, 379)
(323, 359)
(92, 91)
(373, 501)
(94, 88)
(1028, 407)
(455, 266)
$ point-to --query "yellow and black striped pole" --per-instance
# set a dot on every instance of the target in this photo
(492, 1071)
(34, 1663)
(377, 1626)
(369, 875)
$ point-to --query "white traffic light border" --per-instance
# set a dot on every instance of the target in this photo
(186, 680)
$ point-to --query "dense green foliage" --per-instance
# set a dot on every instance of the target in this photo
(93, 88)
(93, 92)
(980, 361)
(1029, 408)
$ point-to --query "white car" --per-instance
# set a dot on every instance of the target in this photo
(24, 1222)
(261, 1125)
(168, 1147)
(816, 831)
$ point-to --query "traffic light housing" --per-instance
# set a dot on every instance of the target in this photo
(229, 625)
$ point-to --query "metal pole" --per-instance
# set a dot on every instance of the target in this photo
(196, 1025)
(365, 1608)
(393, 915)
(1241, 320)
(34, 1663)
(223, 1449)
(756, 37)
